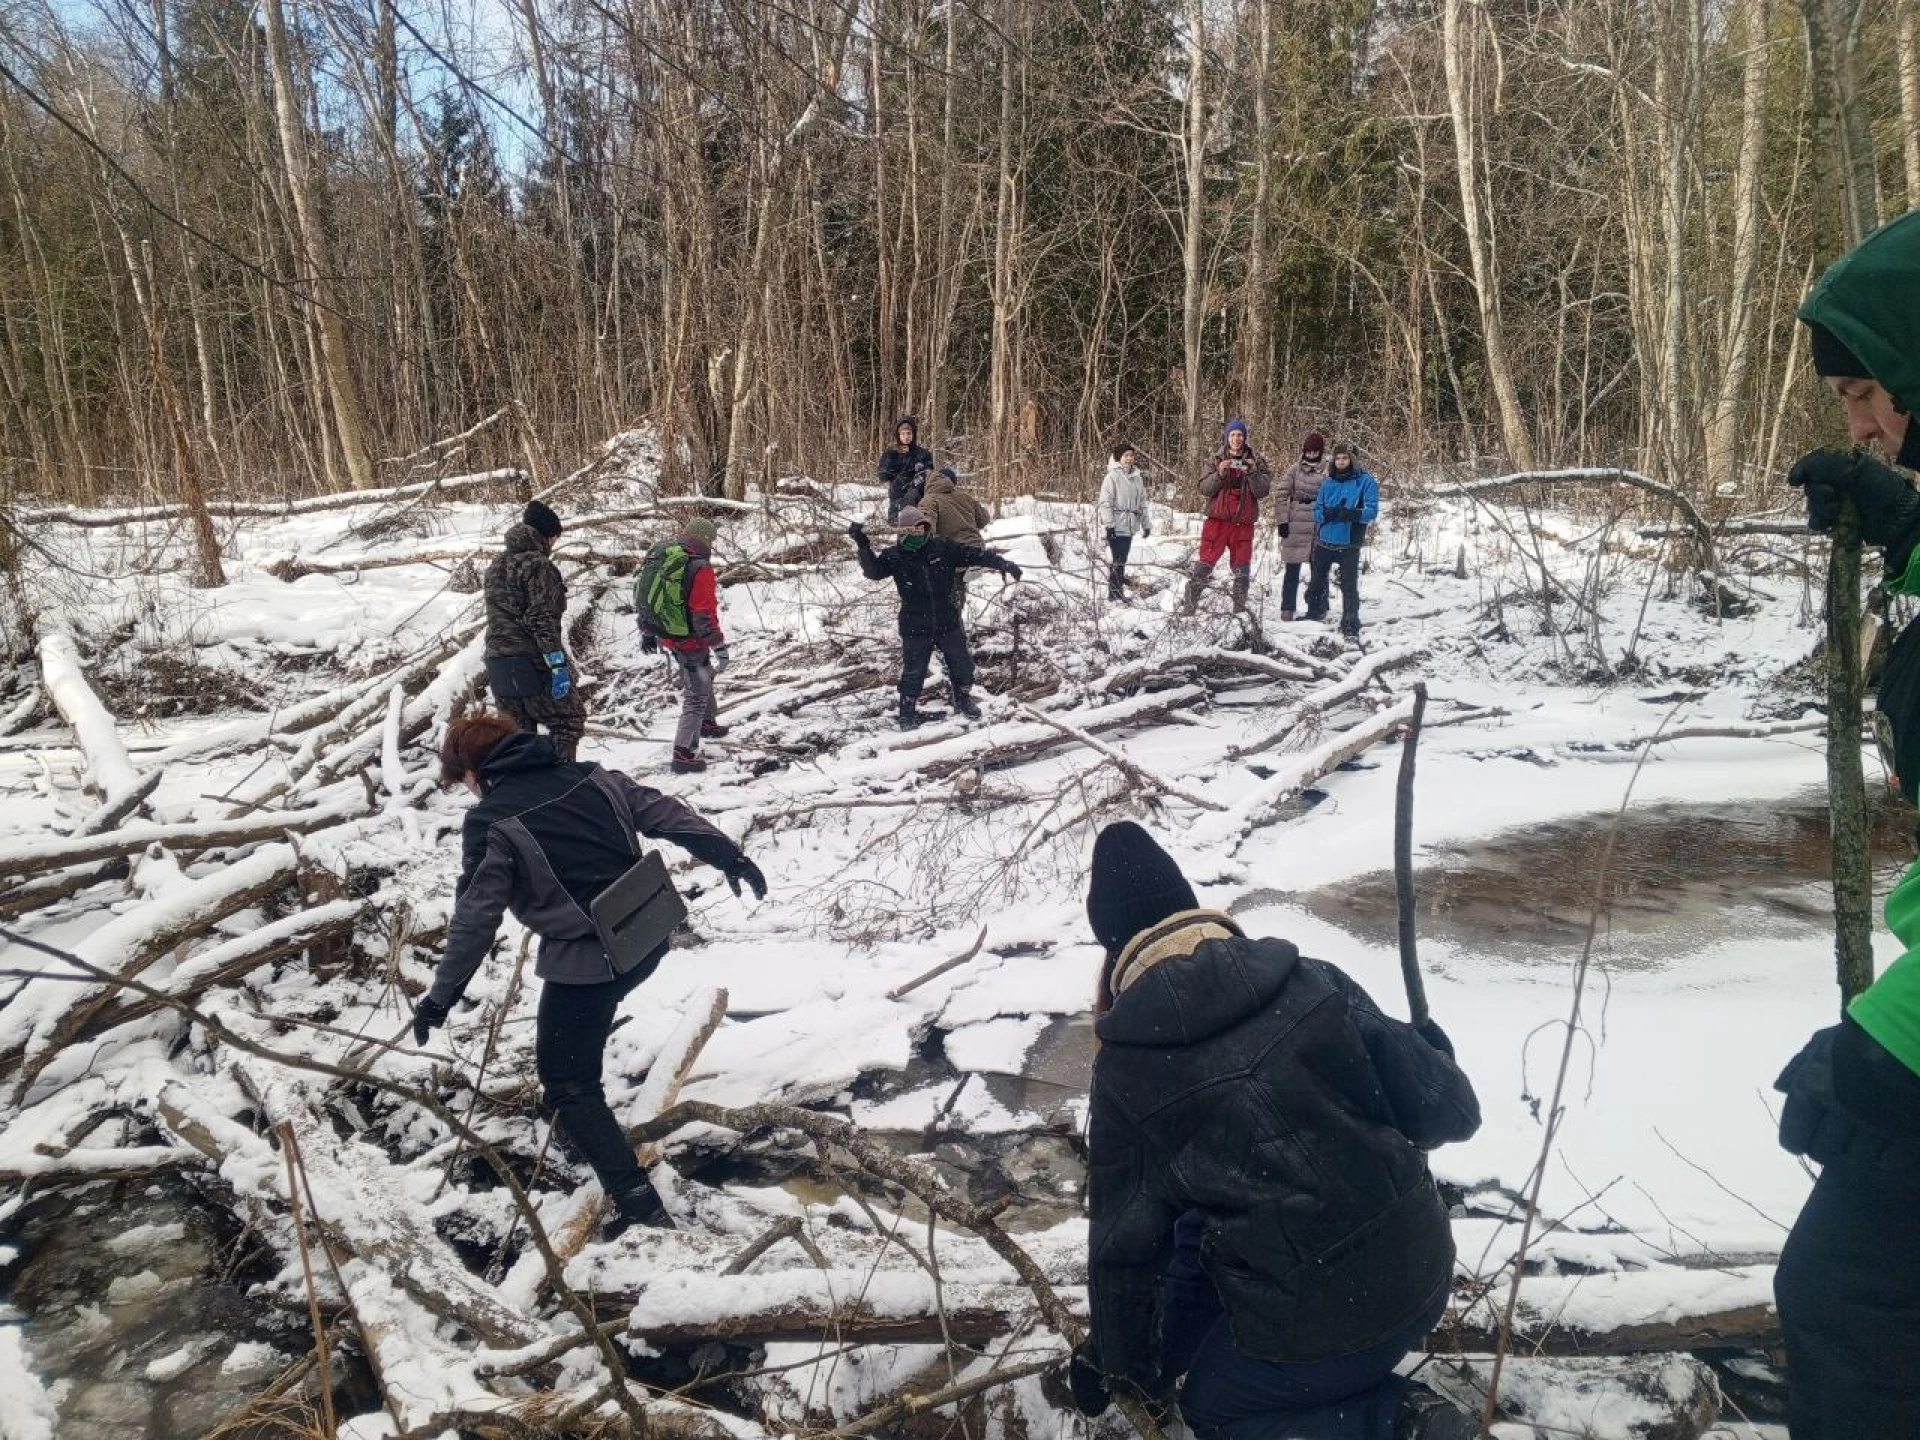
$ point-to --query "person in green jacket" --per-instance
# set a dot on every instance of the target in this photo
(1848, 1284)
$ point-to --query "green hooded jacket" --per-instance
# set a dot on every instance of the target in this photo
(1870, 299)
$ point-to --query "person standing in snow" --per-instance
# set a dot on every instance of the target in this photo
(1347, 502)
(903, 467)
(526, 650)
(1237, 480)
(1122, 513)
(956, 516)
(547, 836)
(1264, 1227)
(1848, 1284)
(922, 567)
(1298, 489)
(677, 601)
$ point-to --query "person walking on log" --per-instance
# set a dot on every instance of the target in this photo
(921, 567)
(526, 650)
(677, 600)
(545, 839)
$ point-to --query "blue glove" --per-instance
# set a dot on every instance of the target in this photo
(721, 657)
(562, 679)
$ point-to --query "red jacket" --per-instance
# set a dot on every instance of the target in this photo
(1234, 490)
(703, 606)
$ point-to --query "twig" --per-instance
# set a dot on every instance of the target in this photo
(1403, 862)
(942, 968)
(330, 1426)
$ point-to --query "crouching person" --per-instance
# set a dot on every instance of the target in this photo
(1265, 1231)
(546, 838)
(922, 567)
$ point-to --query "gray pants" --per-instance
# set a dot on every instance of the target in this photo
(696, 697)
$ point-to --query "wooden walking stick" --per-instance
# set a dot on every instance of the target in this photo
(1403, 863)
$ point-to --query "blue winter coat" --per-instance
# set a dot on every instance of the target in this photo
(1342, 501)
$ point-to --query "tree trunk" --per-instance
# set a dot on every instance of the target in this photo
(1906, 25)
(1255, 307)
(1460, 50)
(1192, 248)
(323, 300)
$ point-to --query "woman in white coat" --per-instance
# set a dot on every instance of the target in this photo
(1122, 510)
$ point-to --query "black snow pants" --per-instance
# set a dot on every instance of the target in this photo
(570, 1040)
(1325, 558)
(1848, 1292)
(1118, 547)
(916, 654)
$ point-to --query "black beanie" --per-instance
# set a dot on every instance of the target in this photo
(1831, 357)
(542, 519)
(1135, 885)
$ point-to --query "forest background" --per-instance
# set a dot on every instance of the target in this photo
(265, 249)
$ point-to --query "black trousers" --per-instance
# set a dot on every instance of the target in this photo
(916, 654)
(570, 1041)
(1117, 546)
(1848, 1292)
(1325, 558)
(1290, 586)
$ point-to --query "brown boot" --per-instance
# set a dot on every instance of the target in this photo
(1241, 580)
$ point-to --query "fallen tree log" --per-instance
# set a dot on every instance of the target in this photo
(53, 1013)
(1320, 701)
(243, 509)
(110, 773)
(33, 858)
(1131, 675)
(1024, 740)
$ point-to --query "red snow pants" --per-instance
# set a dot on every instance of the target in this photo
(1236, 540)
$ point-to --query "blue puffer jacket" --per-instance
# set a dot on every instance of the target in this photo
(1346, 502)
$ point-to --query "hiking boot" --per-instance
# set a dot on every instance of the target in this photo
(1239, 594)
(713, 729)
(909, 715)
(1427, 1416)
(963, 702)
(1286, 614)
(687, 762)
(1190, 602)
(639, 1206)
(1116, 594)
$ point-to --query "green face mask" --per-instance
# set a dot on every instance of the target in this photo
(916, 541)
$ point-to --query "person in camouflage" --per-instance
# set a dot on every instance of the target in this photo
(526, 649)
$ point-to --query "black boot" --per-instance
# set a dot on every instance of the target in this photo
(687, 762)
(712, 729)
(963, 702)
(1427, 1416)
(638, 1206)
(909, 714)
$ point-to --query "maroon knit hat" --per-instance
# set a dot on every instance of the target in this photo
(1314, 444)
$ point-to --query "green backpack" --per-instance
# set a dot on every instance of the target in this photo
(660, 591)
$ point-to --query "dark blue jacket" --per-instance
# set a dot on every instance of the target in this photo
(1355, 491)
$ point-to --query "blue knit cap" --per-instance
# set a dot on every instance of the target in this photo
(1233, 425)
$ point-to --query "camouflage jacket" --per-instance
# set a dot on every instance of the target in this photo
(526, 598)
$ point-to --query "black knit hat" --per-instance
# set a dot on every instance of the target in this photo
(542, 519)
(1135, 885)
(1831, 357)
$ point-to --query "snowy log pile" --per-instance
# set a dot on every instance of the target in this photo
(214, 947)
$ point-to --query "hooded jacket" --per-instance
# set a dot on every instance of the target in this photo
(526, 597)
(956, 515)
(1294, 508)
(924, 578)
(1266, 1091)
(1122, 507)
(1870, 299)
(904, 472)
(1236, 484)
(703, 601)
(546, 837)
(1357, 491)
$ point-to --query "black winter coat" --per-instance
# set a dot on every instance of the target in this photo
(924, 579)
(1268, 1092)
(904, 473)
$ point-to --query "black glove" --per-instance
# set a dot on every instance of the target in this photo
(1889, 508)
(649, 643)
(1431, 1032)
(1011, 570)
(429, 1015)
(857, 533)
(742, 869)
(1285, 529)
(1087, 1381)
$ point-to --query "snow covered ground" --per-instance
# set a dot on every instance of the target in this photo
(889, 853)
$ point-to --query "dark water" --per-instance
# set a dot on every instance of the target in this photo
(1678, 878)
(140, 1307)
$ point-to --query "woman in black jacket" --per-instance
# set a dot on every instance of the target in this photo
(1264, 1225)
(546, 836)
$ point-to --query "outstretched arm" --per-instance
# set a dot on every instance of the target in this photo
(483, 896)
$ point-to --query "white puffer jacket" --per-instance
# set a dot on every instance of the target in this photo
(1123, 500)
